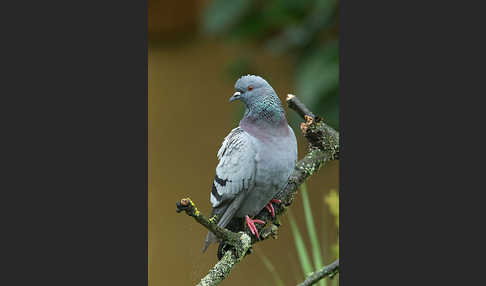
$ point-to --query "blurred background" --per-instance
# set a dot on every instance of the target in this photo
(197, 50)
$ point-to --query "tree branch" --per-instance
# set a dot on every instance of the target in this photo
(319, 134)
(224, 266)
(294, 103)
(324, 147)
(240, 241)
(329, 270)
(190, 208)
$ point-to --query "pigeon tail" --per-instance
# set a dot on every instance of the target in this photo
(210, 238)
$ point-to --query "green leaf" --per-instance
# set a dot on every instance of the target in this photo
(222, 15)
(305, 262)
(318, 75)
(305, 24)
(332, 200)
(309, 220)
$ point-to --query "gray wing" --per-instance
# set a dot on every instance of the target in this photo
(292, 160)
(234, 176)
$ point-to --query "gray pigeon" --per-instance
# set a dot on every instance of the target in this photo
(256, 158)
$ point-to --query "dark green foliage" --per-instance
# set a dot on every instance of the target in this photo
(307, 30)
(222, 15)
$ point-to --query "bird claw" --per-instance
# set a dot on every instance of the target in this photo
(270, 208)
(251, 225)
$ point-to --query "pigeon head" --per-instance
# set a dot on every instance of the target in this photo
(259, 97)
(251, 88)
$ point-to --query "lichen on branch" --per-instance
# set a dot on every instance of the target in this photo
(222, 269)
(190, 208)
(323, 147)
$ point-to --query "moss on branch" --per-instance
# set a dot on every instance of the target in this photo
(222, 269)
(323, 147)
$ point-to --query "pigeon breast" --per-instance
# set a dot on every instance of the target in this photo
(275, 160)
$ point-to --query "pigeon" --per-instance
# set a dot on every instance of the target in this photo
(256, 159)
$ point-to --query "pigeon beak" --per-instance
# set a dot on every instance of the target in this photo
(235, 96)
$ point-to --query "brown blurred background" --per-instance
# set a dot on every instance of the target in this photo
(191, 77)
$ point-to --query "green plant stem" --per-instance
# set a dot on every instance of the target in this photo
(316, 249)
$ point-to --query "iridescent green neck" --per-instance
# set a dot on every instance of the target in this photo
(266, 111)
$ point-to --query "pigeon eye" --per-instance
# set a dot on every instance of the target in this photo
(250, 87)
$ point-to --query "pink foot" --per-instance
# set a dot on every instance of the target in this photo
(251, 225)
(270, 208)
